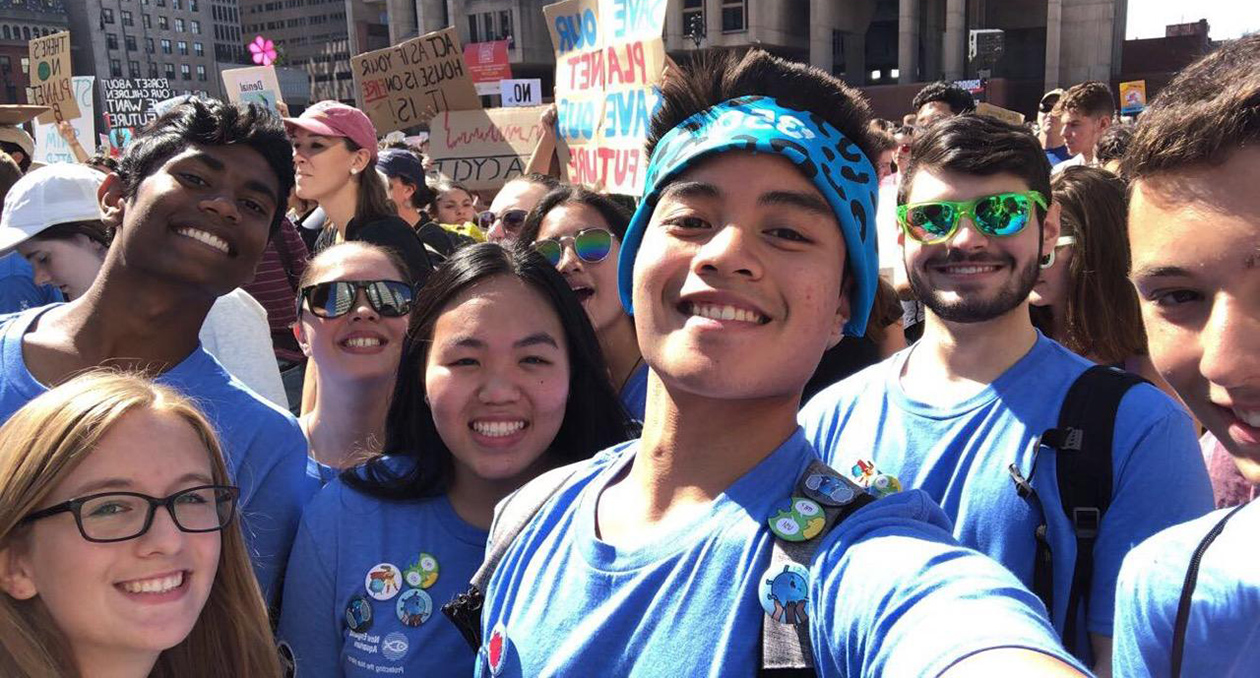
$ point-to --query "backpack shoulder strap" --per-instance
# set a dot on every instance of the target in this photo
(1187, 592)
(510, 518)
(785, 646)
(1082, 442)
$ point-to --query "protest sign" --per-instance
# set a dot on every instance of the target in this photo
(50, 146)
(1003, 114)
(50, 77)
(483, 149)
(129, 105)
(487, 64)
(257, 84)
(405, 85)
(609, 59)
(526, 92)
(1132, 96)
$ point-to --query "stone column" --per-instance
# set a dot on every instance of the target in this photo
(908, 41)
(955, 38)
(855, 58)
(821, 24)
(431, 16)
(1054, 24)
(402, 20)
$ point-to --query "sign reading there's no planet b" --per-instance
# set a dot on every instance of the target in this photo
(257, 84)
(50, 77)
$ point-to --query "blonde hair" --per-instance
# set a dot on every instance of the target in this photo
(43, 443)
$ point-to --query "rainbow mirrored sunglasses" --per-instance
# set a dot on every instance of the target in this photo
(1001, 215)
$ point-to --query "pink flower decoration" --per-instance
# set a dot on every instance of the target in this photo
(264, 51)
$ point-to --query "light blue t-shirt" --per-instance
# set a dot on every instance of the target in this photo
(363, 561)
(263, 445)
(18, 290)
(889, 592)
(959, 454)
(634, 392)
(1223, 632)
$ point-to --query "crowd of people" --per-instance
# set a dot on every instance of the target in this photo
(834, 396)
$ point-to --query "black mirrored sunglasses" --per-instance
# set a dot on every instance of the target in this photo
(390, 298)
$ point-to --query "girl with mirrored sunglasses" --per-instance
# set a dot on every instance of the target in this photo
(120, 552)
(579, 232)
(352, 317)
(501, 379)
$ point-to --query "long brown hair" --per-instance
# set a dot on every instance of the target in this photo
(371, 196)
(43, 443)
(1100, 312)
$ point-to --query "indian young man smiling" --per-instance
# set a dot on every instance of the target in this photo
(742, 265)
(955, 411)
(193, 202)
(1194, 225)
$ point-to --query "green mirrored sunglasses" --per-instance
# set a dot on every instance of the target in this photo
(1001, 216)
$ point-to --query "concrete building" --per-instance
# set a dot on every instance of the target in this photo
(20, 21)
(185, 41)
(319, 37)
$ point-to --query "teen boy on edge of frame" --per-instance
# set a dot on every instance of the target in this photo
(1194, 226)
(743, 264)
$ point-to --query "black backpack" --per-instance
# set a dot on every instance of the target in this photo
(1082, 443)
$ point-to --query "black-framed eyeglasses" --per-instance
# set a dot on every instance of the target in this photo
(334, 299)
(119, 516)
(513, 220)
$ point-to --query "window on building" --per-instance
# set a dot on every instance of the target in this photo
(133, 68)
(201, 73)
(111, 41)
(26, 32)
(26, 65)
(199, 49)
(160, 3)
(179, 25)
(8, 34)
(192, 5)
(130, 41)
(185, 71)
(127, 19)
(692, 16)
(733, 12)
(147, 20)
(115, 68)
(164, 23)
(153, 69)
(196, 26)
(177, 4)
(6, 64)
(148, 46)
(505, 27)
(169, 71)
(474, 32)
(182, 46)
(107, 15)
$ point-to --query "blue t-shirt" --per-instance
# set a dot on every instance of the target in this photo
(264, 448)
(18, 290)
(959, 454)
(889, 592)
(359, 569)
(1223, 632)
(1057, 155)
(634, 392)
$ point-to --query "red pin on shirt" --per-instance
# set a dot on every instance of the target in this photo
(496, 649)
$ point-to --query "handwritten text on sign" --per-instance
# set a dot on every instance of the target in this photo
(609, 60)
(405, 85)
(484, 149)
(50, 77)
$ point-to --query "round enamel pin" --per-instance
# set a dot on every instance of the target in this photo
(828, 490)
(784, 593)
(796, 519)
(414, 607)
(423, 573)
(359, 614)
(383, 581)
(496, 649)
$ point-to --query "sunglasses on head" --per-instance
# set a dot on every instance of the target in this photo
(512, 219)
(334, 299)
(591, 245)
(1001, 215)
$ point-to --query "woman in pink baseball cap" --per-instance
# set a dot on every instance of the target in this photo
(334, 156)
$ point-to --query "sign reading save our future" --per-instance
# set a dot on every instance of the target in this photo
(405, 85)
(609, 60)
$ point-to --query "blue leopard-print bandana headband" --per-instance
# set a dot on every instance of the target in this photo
(838, 168)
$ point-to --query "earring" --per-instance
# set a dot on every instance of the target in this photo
(1048, 260)
(353, 171)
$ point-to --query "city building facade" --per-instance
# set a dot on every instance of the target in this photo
(21, 21)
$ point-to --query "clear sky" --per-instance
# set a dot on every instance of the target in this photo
(1226, 18)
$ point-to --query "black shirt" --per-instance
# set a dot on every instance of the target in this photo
(390, 232)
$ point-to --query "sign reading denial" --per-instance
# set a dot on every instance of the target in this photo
(484, 149)
(50, 78)
(405, 85)
(257, 84)
(609, 59)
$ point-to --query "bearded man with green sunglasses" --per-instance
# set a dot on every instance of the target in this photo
(964, 408)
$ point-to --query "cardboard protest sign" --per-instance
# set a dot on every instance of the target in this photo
(484, 149)
(1132, 96)
(487, 64)
(129, 105)
(609, 59)
(1003, 114)
(50, 146)
(405, 85)
(257, 84)
(19, 114)
(50, 77)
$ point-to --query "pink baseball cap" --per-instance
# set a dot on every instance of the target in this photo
(335, 119)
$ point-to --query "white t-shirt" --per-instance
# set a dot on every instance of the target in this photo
(237, 334)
